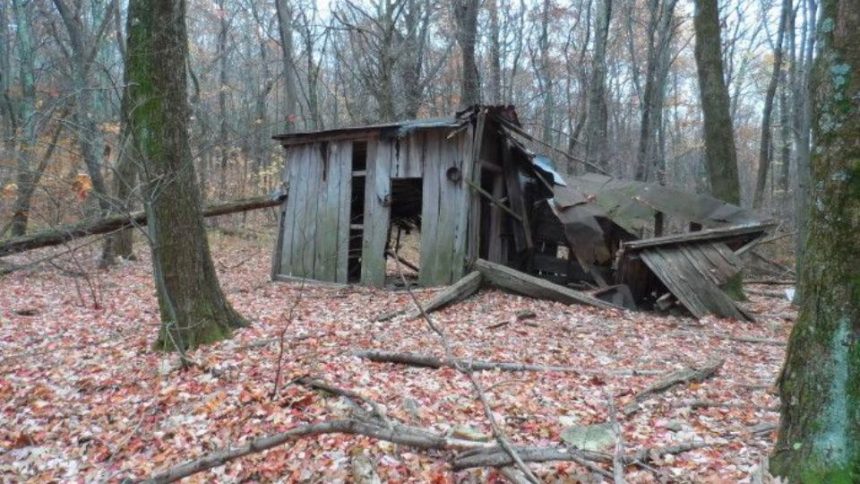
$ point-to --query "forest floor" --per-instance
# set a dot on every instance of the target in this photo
(83, 397)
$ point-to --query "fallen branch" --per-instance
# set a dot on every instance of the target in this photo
(495, 457)
(686, 375)
(398, 434)
(428, 361)
(66, 233)
(752, 339)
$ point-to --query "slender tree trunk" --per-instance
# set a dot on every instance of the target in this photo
(495, 82)
(720, 153)
(784, 137)
(803, 114)
(819, 434)
(650, 163)
(285, 30)
(546, 75)
(223, 87)
(26, 146)
(466, 15)
(193, 308)
(765, 149)
(596, 143)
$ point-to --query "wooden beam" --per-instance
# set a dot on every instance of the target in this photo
(528, 285)
(493, 200)
(458, 291)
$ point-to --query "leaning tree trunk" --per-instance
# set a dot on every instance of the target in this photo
(193, 308)
(720, 155)
(819, 435)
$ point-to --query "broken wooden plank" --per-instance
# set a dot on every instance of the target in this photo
(696, 291)
(687, 375)
(458, 291)
(522, 230)
(723, 233)
(522, 283)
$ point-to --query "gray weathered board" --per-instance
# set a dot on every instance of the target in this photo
(315, 219)
(693, 272)
(445, 207)
(528, 285)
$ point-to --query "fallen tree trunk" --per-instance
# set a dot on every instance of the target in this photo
(113, 223)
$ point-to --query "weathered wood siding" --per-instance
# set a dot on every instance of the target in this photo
(377, 211)
(445, 207)
(315, 220)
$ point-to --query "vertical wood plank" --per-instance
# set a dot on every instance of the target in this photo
(312, 184)
(429, 275)
(461, 206)
(344, 201)
(291, 251)
(325, 235)
(494, 250)
(376, 212)
(473, 241)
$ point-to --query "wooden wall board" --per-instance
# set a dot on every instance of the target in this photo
(344, 205)
(430, 274)
(377, 212)
(445, 207)
(332, 228)
(407, 159)
(293, 213)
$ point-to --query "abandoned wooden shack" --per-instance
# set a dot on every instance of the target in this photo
(474, 189)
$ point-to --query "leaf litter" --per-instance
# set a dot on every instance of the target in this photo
(83, 397)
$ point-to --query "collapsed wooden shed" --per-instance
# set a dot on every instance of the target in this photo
(474, 189)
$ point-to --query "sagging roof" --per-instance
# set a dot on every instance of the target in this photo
(395, 129)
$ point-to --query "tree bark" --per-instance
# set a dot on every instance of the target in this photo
(193, 308)
(495, 82)
(23, 176)
(285, 30)
(819, 434)
(466, 16)
(720, 154)
(765, 149)
(596, 143)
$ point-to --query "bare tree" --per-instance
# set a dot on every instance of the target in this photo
(660, 32)
(466, 17)
(765, 149)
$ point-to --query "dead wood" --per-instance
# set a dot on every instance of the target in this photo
(770, 294)
(522, 283)
(113, 223)
(687, 375)
(495, 457)
(458, 291)
(399, 434)
(429, 361)
(752, 339)
(771, 282)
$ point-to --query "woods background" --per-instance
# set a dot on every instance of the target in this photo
(612, 81)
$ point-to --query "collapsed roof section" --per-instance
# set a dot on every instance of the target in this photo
(603, 219)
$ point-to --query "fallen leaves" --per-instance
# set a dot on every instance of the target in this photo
(83, 396)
